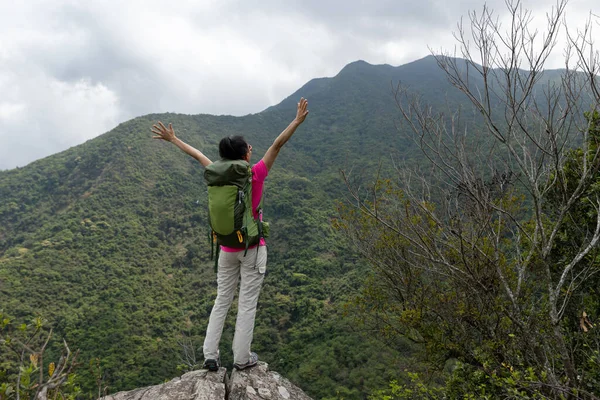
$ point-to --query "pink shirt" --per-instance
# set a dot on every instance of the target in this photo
(259, 173)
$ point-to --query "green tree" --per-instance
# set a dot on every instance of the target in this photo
(487, 254)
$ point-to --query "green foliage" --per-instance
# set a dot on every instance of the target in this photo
(414, 390)
(451, 274)
(25, 371)
(583, 310)
(108, 240)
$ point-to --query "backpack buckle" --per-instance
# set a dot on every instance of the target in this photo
(240, 237)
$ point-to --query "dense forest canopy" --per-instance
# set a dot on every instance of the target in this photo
(418, 279)
(107, 241)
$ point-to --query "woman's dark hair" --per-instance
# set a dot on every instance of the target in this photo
(233, 147)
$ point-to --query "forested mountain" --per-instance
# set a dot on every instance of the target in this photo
(108, 240)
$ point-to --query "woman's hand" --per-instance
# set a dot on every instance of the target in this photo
(302, 111)
(163, 132)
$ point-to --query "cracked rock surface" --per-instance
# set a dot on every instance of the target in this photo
(252, 384)
(195, 385)
(259, 383)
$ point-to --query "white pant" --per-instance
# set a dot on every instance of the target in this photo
(252, 271)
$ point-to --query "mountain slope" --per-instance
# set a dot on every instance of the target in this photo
(108, 240)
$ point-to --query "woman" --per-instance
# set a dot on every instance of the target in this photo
(234, 266)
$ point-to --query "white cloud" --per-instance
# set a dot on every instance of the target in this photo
(57, 115)
(11, 111)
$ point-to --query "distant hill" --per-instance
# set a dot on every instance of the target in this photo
(108, 240)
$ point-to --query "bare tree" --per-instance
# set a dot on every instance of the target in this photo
(471, 250)
(188, 359)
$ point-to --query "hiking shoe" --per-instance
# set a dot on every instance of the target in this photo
(252, 361)
(211, 364)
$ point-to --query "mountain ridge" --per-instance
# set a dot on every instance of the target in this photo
(109, 239)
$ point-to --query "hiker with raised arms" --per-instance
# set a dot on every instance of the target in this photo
(235, 214)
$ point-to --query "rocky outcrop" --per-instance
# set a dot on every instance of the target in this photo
(195, 385)
(254, 383)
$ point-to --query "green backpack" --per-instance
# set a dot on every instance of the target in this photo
(230, 205)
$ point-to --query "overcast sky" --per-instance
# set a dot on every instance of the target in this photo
(71, 70)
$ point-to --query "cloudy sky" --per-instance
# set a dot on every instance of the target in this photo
(71, 70)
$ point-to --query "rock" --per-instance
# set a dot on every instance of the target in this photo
(283, 392)
(256, 383)
(195, 385)
(251, 393)
(265, 384)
